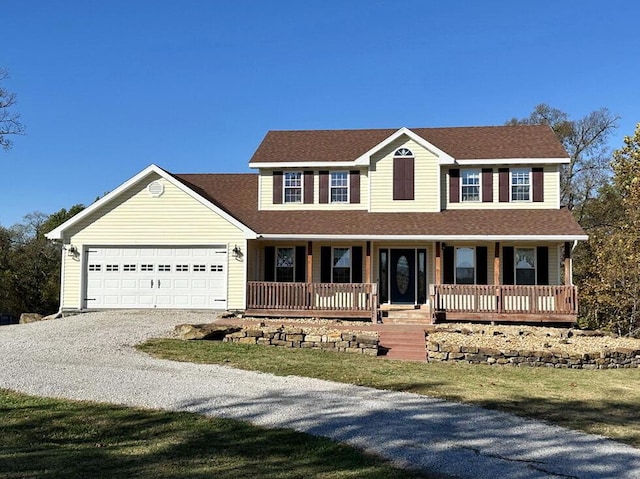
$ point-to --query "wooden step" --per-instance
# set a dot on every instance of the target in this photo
(405, 345)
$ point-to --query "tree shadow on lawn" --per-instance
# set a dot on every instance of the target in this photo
(52, 439)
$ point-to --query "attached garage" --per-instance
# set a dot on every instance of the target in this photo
(156, 277)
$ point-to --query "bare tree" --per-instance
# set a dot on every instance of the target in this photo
(586, 143)
(9, 119)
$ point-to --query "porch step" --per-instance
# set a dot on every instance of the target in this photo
(412, 316)
(408, 345)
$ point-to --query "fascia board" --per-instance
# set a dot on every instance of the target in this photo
(513, 161)
(428, 237)
(57, 233)
(303, 164)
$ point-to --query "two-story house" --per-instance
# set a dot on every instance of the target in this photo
(461, 223)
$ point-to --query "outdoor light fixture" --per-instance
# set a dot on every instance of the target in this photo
(237, 252)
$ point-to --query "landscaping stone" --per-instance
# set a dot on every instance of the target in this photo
(30, 318)
(188, 332)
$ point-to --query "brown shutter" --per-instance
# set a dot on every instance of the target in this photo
(308, 187)
(324, 187)
(508, 272)
(403, 178)
(356, 264)
(277, 187)
(325, 264)
(542, 265)
(487, 185)
(354, 186)
(269, 263)
(454, 186)
(301, 264)
(503, 183)
(448, 266)
(481, 265)
(538, 184)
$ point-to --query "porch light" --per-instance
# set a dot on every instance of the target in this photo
(237, 252)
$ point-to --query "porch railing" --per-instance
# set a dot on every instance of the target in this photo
(312, 296)
(476, 298)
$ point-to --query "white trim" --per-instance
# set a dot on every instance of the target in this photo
(57, 233)
(312, 237)
(512, 161)
(443, 158)
(302, 164)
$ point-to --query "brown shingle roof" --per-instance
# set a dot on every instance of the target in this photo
(478, 142)
(237, 194)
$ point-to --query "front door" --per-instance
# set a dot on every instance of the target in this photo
(402, 272)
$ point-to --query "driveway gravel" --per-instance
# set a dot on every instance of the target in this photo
(90, 357)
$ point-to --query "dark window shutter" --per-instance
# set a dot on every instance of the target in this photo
(354, 186)
(324, 187)
(277, 187)
(269, 263)
(356, 264)
(325, 264)
(403, 178)
(301, 264)
(507, 265)
(487, 185)
(538, 184)
(454, 186)
(542, 265)
(481, 265)
(308, 187)
(448, 266)
(503, 184)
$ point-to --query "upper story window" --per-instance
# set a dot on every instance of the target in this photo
(521, 184)
(293, 187)
(470, 185)
(339, 187)
(403, 174)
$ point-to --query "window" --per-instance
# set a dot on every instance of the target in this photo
(341, 265)
(520, 185)
(216, 268)
(129, 267)
(95, 267)
(339, 187)
(146, 267)
(525, 262)
(112, 267)
(182, 267)
(164, 268)
(470, 185)
(199, 268)
(465, 270)
(293, 187)
(285, 264)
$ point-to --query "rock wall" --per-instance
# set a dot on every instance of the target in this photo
(290, 337)
(610, 359)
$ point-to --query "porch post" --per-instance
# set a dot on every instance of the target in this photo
(367, 263)
(496, 264)
(310, 262)
(568, 264)
(438, 271)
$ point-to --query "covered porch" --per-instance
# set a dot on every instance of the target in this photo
(358, 280)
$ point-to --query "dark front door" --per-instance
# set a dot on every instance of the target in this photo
(402, 272)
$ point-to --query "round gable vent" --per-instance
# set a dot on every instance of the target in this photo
(155, 189)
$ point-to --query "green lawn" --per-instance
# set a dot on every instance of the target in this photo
(603, 402)
(49, 438)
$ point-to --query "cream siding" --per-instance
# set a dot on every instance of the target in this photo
(551, 191)
(426, 171)
(265, 191)
(137, 218)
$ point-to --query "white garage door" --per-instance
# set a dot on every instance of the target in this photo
(156, 278)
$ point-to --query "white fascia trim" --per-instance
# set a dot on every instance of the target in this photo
(514, 161)
(430, 237)
(57, 233)
(303, 164)
(443, 158)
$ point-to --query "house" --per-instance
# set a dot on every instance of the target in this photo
(457, 223)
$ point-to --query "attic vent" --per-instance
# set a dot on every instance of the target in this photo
(155, 189)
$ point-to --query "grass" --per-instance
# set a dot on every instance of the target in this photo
(50, 438)
(600, 402)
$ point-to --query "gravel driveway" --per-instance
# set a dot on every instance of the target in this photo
(90, 357)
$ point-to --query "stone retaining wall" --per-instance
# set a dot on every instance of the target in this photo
(289, 337)
(610, 359)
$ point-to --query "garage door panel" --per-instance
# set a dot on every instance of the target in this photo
(162, 277)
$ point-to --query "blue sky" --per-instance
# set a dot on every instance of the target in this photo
(107, 87)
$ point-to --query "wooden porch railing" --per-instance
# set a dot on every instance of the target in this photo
(505, 299)
(313, 297)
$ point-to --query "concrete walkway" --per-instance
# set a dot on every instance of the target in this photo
(90, 357)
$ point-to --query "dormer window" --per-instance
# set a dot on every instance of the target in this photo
(293, 187)
(339, 187)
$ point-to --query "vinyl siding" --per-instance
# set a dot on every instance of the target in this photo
(136, 218)
(265, 192)
(426, 170)
(551, 191)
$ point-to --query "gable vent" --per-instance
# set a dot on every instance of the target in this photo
(155, 189)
